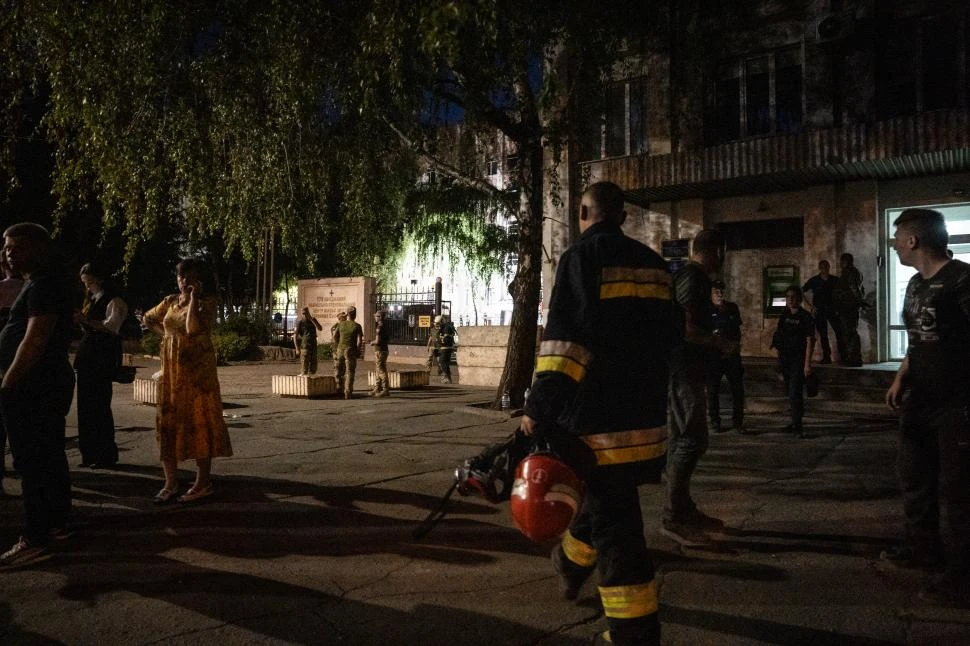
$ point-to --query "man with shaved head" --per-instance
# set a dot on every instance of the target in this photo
(601, 375)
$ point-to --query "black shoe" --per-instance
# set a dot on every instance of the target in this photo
(908, 556)
(826, 360)
(794, 430)
(717, 428)
(568, 588)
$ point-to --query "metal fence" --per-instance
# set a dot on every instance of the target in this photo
(403, 312)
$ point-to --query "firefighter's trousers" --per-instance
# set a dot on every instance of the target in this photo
(607, 535)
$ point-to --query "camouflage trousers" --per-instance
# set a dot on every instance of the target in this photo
(308, 357)
(345, 367)
(380, 368)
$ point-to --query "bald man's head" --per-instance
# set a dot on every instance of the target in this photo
(602, 202)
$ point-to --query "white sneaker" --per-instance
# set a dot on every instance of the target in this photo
(23, 554)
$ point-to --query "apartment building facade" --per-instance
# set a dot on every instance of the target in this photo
(801, 139)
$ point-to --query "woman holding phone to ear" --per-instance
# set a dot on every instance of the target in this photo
(188, 417)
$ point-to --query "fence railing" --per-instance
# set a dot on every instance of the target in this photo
(404, 312)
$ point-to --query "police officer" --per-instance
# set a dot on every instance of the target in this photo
(933, 389)
(609, 389)
(348, 343)
(794, 339)
(727, 324)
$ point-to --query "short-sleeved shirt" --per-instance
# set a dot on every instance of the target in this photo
(692, 293)
(791, 337)
(348, 334)
(848, 292)
(306, 331)
(936, 312)
(821, 289)
(382, 335)
(43, 294)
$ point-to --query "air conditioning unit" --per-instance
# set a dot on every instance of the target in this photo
(834, 26)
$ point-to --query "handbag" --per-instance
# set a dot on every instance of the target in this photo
(124, 374)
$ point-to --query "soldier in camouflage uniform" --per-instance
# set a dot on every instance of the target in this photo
(381, 338)
(305, 341)
(348, 342)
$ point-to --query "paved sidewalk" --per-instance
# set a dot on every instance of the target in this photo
(308, 540)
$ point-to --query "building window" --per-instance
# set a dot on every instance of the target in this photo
(621, 129)
(492, 167)
(921, 65)
(758, 95)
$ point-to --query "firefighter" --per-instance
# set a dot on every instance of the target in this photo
(602, 375)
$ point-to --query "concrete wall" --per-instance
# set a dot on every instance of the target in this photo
(481, 354)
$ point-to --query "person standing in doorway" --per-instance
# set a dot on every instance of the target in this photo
(932, 389)
(794, 339)
(727, 325)
(36, 390)
(848, 296)
(96, 362)
(305, 341)
(822, 307)
(689, 364)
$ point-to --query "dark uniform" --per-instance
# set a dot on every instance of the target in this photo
(848, 298)
(727, 323)
(96, 362)
(602, 374)
(791, 339)
(934, 447)
(825, 313)
(444, 342)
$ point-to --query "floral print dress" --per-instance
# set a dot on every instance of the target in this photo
(188, 417)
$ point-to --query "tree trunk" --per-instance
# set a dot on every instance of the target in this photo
(520, 360)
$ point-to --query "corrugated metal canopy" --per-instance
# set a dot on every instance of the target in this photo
(917, 165)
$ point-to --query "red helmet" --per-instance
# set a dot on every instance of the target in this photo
(545, 497)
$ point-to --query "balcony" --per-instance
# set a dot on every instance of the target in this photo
(928, 143)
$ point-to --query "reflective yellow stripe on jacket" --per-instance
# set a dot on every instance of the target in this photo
(568, 358)
(629, 601)
(628, 446)
(577, 551)
(634, 282)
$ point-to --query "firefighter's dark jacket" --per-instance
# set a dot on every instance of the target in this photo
(602, 366)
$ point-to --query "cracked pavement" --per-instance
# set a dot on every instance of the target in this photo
(309, 538)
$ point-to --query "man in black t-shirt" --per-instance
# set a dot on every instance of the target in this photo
(689, 362)
(933, 389)
(727, 325)
(794, 339)
(822, 307)
(36, 391)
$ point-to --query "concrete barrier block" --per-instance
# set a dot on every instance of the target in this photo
(401, 379)
(146, 391)
(308, 387)
(473, 376)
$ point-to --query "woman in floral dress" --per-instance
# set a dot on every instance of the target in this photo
(188, 417)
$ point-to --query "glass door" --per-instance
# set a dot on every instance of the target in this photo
(958, 226)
